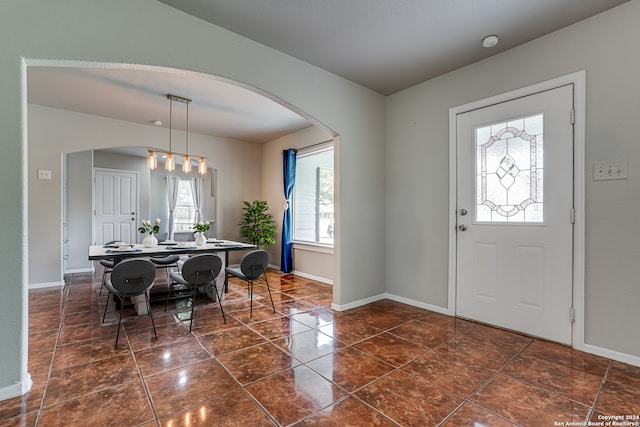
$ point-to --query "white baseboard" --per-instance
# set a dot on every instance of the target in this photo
(392, 297)
(80, 270)
(612, 354)
(46, 285)
(17, 389)
(359, 303)
(312, 277)
(430, 307)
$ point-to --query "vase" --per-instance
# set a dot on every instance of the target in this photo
(201, 239)
(150, 241)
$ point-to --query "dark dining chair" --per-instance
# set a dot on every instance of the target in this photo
(131, 278)
(199, 274)
(253, 266)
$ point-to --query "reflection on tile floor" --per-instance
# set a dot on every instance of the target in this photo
(382, 364)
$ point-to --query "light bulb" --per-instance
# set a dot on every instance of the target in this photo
(152, 160)
(170, 163)
(186, 164)
(202, 166)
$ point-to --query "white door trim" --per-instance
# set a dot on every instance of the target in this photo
(93, 198)
(578, 80)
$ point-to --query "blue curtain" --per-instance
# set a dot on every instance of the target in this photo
(289, 175)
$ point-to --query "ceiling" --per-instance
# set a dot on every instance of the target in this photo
(385, 45)
(390, 45)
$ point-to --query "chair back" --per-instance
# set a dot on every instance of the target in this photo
(254, 264)
(201, 269)
(133, 277)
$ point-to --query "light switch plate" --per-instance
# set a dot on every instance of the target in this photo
(44, 174)
(609, 171)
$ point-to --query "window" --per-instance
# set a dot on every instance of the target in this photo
(185, 211)
(313, 197)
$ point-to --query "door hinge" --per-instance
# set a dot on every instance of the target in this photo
(572, 116)
(572, 315)
(573, 216)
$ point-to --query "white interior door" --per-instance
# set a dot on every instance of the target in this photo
(116, 201)
(514, 214)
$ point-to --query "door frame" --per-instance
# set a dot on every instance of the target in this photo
(578, 285)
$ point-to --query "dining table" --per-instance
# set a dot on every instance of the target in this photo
(121, 252)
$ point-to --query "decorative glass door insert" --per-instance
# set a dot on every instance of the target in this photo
(509, 171)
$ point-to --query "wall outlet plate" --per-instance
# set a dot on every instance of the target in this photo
(610, 171)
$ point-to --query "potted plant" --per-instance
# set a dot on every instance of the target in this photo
(149, 229)
(257, 224)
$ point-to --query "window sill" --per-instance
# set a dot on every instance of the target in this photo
(313, 247)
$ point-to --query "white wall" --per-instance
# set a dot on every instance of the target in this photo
(417, 167)
(103, 32)
(320, 265)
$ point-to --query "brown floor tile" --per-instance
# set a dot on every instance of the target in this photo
(231, 339)
(170, 356)
(69, 383)
(394, 350)
(489, 355)
(350, 368)
(175, 390)
(349, 331)
(122, 405)
(167, 334)
(315, 318)
(220, 410)
(575, 384)
(40, 361)
(459, 377)
(260, 313)
(74, 334)
(408, 401)
(567, 356)
(293, 394)
(405, 365)
(308, 345)
(527, 405)
(253, 363)
(430, 334)
(347, 412)
(84, 352)
(619, 399)
(24, 420)
(279, 328)
(472, 415)
(624, 374)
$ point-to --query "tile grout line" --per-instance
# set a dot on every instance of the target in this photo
(65, 292)
(595, 401)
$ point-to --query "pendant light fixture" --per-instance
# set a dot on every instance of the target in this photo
(170, 163)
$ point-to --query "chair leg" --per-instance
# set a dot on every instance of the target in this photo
(119, 322)
(250, 299)
(146, 297)
(104, 315)
(269, 289)
(219, 296)
(193, 305)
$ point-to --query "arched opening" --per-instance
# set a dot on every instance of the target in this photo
(89, 107)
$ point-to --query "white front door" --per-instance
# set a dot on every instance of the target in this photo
(116, 201)
(514, 214)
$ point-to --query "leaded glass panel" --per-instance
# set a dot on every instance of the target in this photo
(509, 171)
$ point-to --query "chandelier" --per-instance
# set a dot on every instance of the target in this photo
(170, 163)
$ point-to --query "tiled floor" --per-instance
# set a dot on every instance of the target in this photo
(383, 364)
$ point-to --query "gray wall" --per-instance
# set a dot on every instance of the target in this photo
(79, 217)
(417, 166)
(33, 32)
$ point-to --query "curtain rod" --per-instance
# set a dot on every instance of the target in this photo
(313, 145)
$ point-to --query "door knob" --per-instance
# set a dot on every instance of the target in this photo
(462, 227)
(462, 212)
